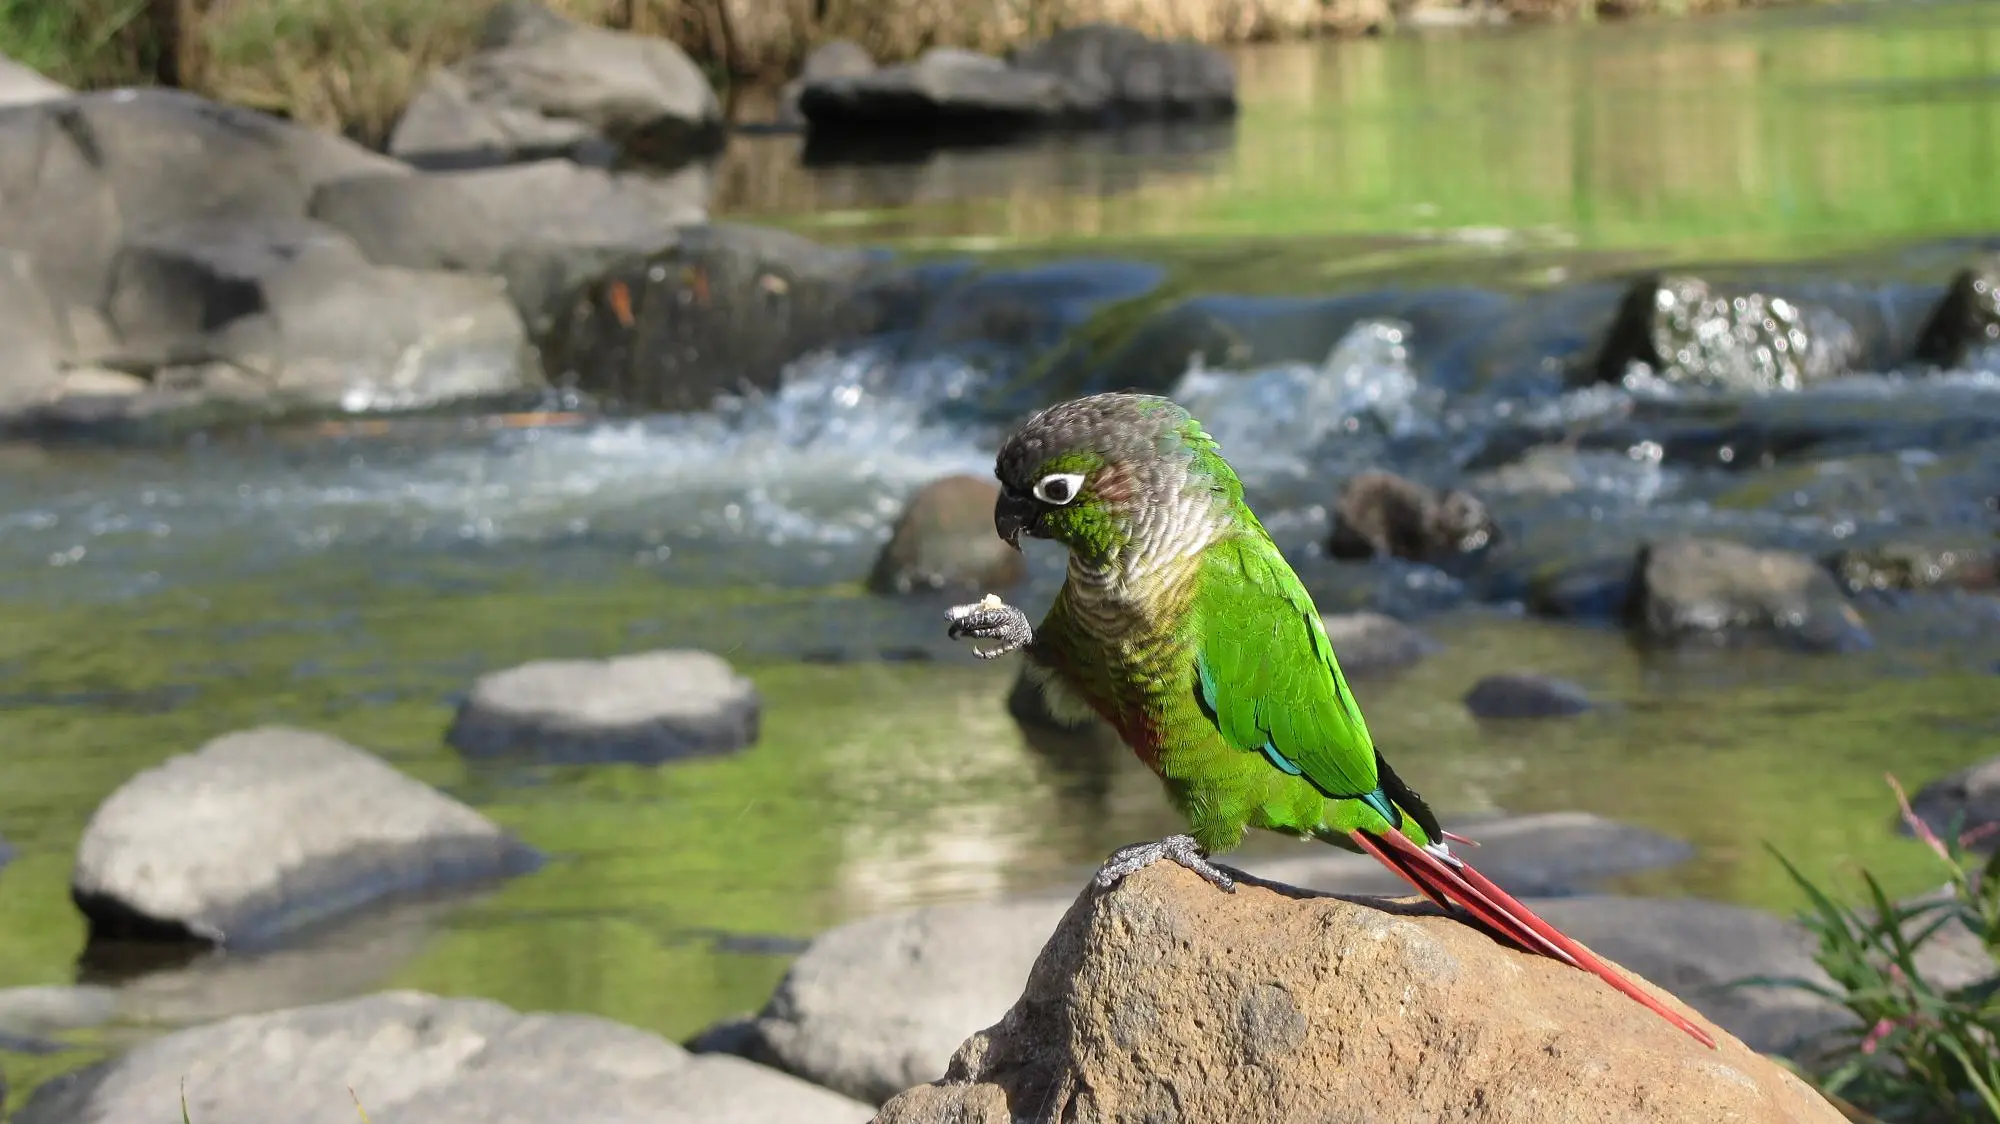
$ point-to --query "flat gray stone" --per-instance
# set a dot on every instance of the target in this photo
(880, 1004)
(412, 1058)
(644, 708)
(263, 832)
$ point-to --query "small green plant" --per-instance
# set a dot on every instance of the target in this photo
(1917, 1052)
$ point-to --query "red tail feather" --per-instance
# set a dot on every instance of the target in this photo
(1476, 894)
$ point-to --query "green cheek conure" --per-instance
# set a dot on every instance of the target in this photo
(1181, 624)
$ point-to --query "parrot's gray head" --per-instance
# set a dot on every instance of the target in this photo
(1088, 472)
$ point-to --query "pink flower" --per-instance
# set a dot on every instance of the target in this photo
(1876, 1034)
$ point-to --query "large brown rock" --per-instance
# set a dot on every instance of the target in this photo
(1163, 999)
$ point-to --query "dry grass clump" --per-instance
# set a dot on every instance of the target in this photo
(352, 65)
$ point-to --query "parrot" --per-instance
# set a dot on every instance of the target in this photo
(1180, 623)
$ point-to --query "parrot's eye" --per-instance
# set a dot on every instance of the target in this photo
(1059, 488)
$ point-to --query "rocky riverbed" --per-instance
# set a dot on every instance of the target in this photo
(473, 610)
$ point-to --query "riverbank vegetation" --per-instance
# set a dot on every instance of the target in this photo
(353, 64)
(1916, 1051)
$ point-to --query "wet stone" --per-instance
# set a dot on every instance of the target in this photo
(644, 709)
(1367, 643)
(1967, 320)
(1526, 695)
(944, 539)
(1683, 330)
(1720, 591)
(1382, 514)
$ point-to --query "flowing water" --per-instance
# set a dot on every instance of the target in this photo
(152, 597)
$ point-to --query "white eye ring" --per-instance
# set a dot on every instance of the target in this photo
(1059, 488)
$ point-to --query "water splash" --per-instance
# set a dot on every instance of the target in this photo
(1278, 421)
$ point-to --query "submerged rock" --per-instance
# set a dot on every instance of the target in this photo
(1380, 513)
(1526, 695)
(1685, 331)
(1710, 589)
(1368, 643)
(411, 1056)
(945, 540)
(1163, 998)
(1965, 801)
(645, 709)
(1916, 565)
(720, 311)
(540, 85)
(1967, 320)
(264, 832)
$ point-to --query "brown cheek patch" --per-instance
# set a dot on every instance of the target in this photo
(1116, 484)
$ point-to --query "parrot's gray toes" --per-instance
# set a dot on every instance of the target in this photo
(1181, 849)
(991, 619)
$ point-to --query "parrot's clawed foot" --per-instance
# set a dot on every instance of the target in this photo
(1177, 848)
(991, 619)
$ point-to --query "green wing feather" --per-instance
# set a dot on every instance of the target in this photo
(1268, 676)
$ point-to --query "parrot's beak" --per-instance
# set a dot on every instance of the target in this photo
(1012, 515)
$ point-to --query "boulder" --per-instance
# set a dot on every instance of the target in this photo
(541, 86)
(294, 307)
(1380, 513)
(1711, 589)
(81, 176)
(1095, 74)
(1115, 74)
(1967, 320)
(842, 58)
(1965, 801)
(30, 372)
(879, 1004)
(1367, 643)
(1165, 999)
(22, 85)
(1683, 330)
(944, 539)
(1526, 695)
(263, 832)
(408, 1056)
(645, 709)
(526, 222)
(722, 310)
